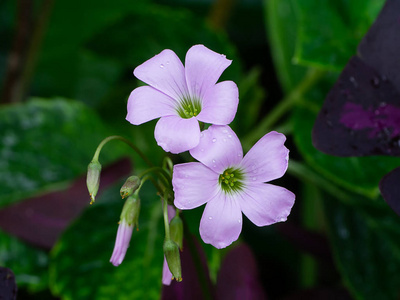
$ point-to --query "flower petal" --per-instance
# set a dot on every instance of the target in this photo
(219, 148)
(194, 184)
(177, 135)
(203, 67)
(164, 72)
(166, 273)
(124, 235)
(146, 103)
(220, 104)
(221, 222)
(265, 203)
(267, 159)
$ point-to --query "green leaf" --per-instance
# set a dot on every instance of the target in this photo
(44, 143)
(367, 256)
(80, 267)
(29, 264)
(282, 21)
(329, 31)
(357, 174)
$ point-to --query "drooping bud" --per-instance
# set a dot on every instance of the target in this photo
(128, 220)
(130, 186)
(124, 235)
(93, 178)
(171, 252)
(176, 229)
(130, 211)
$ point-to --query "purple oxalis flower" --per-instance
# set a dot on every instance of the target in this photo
(231, 184)
(124, 235)
(182, 96)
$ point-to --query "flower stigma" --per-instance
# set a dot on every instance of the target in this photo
(231, 180)
(189, 108)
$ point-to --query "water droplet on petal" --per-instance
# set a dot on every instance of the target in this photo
(202, 150)
(254, 178)
(214, 166)
(213, 160)
(214, 140)
(283, 219)
(239, 221)
(201, 135)
(224, 131)
(162, 66)
(167, 63)
(229, 135)
(210, 218)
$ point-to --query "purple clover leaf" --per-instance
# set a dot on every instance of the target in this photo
(181, 96)
(231, 184)
(361, 113)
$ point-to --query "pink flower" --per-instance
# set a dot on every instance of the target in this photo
(124, 235)
(182, 96)
(231, 184)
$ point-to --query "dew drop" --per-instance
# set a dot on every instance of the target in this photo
(201, 135)
(214, 140)
(229, 135)
(210, 218)
(239, 221)
(167, 63)
(202, 150)
(283, 219)
(239, 154)
(213, 160)
(224, 131)
(162, 66)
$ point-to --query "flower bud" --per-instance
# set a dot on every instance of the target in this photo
(130, 186)
(128, 220)
(130, 211)
(93, 178)
(176, 230)
(124, 235)
(171, 252)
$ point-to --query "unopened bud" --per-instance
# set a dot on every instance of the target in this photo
(131, 210)
(93, 179)
(176, 229)
(171, 252)
(130, 186)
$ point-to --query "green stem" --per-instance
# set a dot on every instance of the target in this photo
(166, 221)
(304, 173)
(129, 143)
(312, 76)
(165, 176)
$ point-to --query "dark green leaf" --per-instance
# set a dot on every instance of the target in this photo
(329, 31)
(367, 250)
(282, 22)
(46, 142)
(80, 267)
(28, 263)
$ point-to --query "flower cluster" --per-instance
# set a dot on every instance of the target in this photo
(228, 182)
